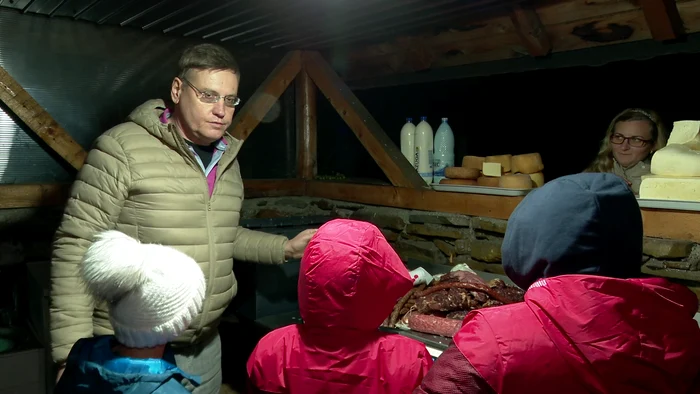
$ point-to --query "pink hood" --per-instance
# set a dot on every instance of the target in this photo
(350, 277)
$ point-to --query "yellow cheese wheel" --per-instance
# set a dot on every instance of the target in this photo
(472, 162)
(462, 173)
(528, 163)
(460, 182)
(488, 181)
(505, 161)
(537, 179)
(516, 181)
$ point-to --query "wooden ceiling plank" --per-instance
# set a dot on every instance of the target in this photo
(571, 25)
(266, 95)
(530, 29)
(28, 110)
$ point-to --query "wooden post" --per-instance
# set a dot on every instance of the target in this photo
(306, 127)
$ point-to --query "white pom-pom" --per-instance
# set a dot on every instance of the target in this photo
(113, 266)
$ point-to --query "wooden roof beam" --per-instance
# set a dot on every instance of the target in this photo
(663, 18)
(23, 105)
(530, 30)
(266, 95)
(382, 149)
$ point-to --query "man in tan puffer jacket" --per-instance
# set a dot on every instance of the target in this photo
(167, 176)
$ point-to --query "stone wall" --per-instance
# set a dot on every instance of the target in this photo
(453, 239)
(25, 235)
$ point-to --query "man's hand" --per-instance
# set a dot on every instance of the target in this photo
(294, 248)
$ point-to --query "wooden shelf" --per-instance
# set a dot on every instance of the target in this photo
(661, 223)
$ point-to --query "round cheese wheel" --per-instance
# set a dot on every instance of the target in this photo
(505, 161)
(516, 181)
(472, 162)
(528, 163)
(537, 179)
(461, 182)
(489, 181)
(462, 173)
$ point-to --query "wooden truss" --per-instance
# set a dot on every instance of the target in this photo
(308, 71)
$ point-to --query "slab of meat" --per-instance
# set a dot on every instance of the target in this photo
(511, 294)
(449, 300)
(434, 325)
(458, 315)
(461, 276)
(441, 307)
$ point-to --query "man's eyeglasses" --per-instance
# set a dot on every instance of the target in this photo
(636, 142)
(211, 98)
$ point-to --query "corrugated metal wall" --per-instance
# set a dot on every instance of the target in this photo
(88, 78)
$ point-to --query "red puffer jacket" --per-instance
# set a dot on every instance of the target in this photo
(577, 334)
(349, 281)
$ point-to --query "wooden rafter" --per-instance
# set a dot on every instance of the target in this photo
(382, 149)
(266, 95)
(530, 29)
(663, 18)
(23, 105)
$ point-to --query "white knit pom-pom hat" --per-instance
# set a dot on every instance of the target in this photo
(153, 291)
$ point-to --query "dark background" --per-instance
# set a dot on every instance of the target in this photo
(561, 113)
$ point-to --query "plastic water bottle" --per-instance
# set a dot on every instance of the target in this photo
(444, 155)
(424, 150)
(408, 141)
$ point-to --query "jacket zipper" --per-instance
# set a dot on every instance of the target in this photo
(212, 263)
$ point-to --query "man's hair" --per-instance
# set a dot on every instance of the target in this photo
(206, 57)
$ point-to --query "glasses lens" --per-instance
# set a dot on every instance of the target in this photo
(231, 101)
(207, 97)
(637, 143)
(617, 139)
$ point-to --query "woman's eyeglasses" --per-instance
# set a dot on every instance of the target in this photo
(636, 142)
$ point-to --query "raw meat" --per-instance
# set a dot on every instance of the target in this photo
(434, 325)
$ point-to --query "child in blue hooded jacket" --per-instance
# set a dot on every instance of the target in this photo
(153, 293)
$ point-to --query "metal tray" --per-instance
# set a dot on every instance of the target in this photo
(494, 191)
(669, 204)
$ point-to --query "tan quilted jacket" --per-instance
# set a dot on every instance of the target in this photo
(141, 179)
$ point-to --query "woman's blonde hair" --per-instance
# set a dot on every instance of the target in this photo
(604, 160)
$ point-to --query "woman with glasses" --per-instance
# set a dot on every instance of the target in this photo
(632, 137)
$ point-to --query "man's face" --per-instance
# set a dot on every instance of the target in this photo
(200, 122)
